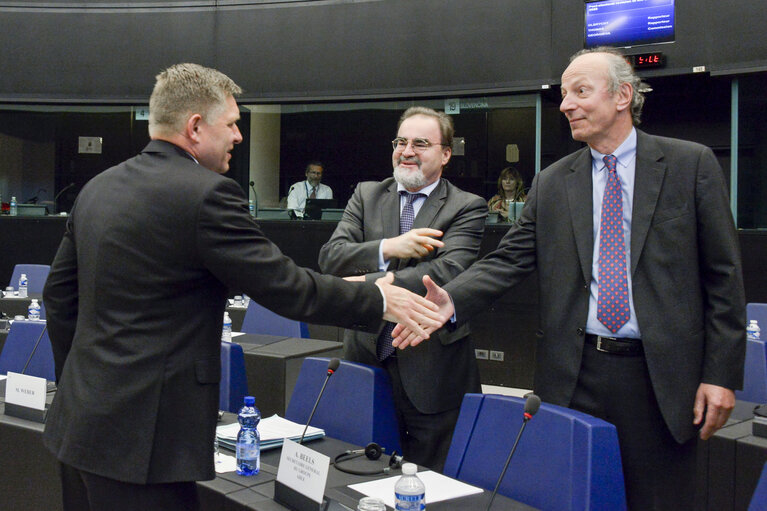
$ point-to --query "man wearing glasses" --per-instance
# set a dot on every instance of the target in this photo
(414, 224)
(311, 188)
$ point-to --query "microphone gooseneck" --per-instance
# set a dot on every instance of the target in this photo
(332, 367)
(532, 404)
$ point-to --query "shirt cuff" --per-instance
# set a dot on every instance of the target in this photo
(382, 265)
(380, 289)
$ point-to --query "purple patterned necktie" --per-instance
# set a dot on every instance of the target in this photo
(383, 347)
(613, 302)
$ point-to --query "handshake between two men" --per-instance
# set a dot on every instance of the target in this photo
(416, 316)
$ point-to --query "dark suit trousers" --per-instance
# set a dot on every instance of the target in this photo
(425, 437)
(83, 491)
(659, 472)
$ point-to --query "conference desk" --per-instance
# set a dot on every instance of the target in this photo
(29, 477)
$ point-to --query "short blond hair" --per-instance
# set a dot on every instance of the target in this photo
(186, 89)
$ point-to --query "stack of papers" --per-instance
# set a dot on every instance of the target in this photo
(273, 431)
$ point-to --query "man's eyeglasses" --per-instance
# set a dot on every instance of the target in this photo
(419, 144)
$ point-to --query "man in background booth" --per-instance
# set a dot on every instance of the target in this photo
(642, 307)
(311, 188)
(413, 224)
(136, 296)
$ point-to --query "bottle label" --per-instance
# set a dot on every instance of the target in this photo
(247, 451)
(409, 502)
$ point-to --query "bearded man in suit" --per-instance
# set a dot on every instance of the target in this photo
(413, 224)
(136, 295)
(642, 308)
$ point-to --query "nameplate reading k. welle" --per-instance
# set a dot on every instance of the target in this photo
(25, 396)
(303, 470)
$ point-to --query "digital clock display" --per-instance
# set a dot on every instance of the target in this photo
(645, 60)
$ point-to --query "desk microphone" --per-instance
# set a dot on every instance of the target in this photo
(253, 187)
(532, 403)
(34, 349)
(332, 366)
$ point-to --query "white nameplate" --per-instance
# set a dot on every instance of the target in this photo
(25, 390)
(304, 470)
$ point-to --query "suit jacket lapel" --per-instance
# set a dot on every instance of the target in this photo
(579, 199)
(649, 175)
(431, 206)
(390, 211)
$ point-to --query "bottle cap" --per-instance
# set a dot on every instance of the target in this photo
(409, 469)
(250, 400)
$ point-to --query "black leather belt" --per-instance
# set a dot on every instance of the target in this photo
(616, 345)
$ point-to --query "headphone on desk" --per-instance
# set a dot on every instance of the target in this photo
(372, 451)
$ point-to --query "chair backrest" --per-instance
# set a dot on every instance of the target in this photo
(758, 311)
(754, 373)
(36, 276)
(565, 460)
(357, 405)
(759, 499)
(260, 320)
(21, 340)
(234, 380)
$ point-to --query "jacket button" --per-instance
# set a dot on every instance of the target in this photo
(580, 331)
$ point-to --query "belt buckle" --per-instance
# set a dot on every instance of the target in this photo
(599, 343)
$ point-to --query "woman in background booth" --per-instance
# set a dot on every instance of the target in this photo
(510, 188)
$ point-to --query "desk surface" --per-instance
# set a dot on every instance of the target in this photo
(29, 477)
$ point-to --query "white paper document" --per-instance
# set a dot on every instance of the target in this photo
(225, 463)
(438, 488)
(273, 431)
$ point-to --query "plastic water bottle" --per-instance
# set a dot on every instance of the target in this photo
(753, 332)
(23, 286)
(226, 332)
(252, 208)
(14, 209)
(248, 439)
(33, 312)
(409, 492)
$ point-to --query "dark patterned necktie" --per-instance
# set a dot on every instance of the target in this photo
(613, 302)
(406, 218)
(313, 195)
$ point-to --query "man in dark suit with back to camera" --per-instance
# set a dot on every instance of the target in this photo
(414, 224)
(642, 306)
(136, 296)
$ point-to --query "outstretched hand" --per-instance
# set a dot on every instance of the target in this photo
(417, 313)
(404, 336)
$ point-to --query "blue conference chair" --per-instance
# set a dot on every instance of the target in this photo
(565, 461)
(754, 373)
(234, 381)
(357, 406)
(759, 499)
(758, 311)
(19, 345)
(260, 320)
(37, 274)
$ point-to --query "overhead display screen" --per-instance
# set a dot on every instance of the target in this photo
(626, 23)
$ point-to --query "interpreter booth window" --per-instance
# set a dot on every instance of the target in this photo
(49, 152)
(752, 151)
(352, 141)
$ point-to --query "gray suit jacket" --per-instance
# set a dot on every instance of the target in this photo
(685, 269)
(135, 300)
(437, 373)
